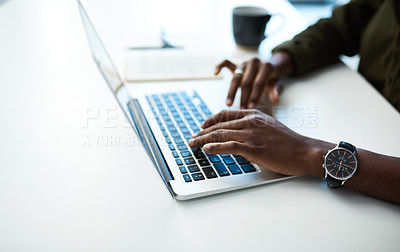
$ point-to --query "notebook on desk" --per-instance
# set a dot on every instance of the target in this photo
(169, 64)
(164, 122)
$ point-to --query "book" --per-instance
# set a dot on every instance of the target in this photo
(169, 65)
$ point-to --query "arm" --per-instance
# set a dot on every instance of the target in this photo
(322, 43)
(264, 141)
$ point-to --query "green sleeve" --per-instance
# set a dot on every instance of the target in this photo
(322, 43)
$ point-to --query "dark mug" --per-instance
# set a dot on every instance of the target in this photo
(249, 23)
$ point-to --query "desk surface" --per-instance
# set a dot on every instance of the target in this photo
(66, 184)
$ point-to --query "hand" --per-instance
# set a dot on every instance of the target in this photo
(255, 78)
(262, 140)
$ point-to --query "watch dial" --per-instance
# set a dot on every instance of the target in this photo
(340, 163)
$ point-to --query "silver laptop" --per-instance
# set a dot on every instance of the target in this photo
(164, 122)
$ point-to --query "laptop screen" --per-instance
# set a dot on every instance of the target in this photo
(105, 64)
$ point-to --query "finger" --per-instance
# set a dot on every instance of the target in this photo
(223, 116)
(217, 136)
(230, 147)
(247, 81)
(230, 125)
(227, 64)
(260, 83)
(235, 83)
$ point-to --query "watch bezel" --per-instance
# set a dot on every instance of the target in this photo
(347, 151)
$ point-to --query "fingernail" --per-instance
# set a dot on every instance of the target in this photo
(252, 105)
(191, 141)
(229, 102)
(194, 135)
(206, 147)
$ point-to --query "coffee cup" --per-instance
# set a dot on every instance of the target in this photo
(249, 24)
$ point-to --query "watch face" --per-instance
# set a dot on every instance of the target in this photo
(340, 163)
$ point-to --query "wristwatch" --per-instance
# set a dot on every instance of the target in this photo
(340, 164)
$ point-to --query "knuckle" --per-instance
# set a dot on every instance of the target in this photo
(224, 112)
(217, 126)
(217, 133)
(225, 61)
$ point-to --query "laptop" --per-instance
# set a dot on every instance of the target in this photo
(164, 121)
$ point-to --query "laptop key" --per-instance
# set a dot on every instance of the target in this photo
(185, 153)
(187, 178)
(171, 147)
(234, 169)
(189, 161)
(169, 123)
(200, 118)
(181, 125)
(199, 154)
(175, 134)
(209, 172)
(175, 154)
(178, 140)
(197, 176)
(182, 169)
(185, 130)
(181, 147)
(204, 162)
(242, 160)
(193, 168)
(179, 161)
(248, 168)
(229, 160)
(221, 169)
(214, 159)
(195, 128)
(224, 155)
(171, 128)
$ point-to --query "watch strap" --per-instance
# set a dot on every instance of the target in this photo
(332, 182)
(347, 146)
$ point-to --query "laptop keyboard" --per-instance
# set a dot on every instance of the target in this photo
(179, 117)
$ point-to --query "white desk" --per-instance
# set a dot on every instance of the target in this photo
(58, 195)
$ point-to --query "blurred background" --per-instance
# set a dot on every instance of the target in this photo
(313, 10)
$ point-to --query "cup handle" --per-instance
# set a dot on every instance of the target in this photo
(279, 27)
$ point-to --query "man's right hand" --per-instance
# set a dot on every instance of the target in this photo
(255, 78)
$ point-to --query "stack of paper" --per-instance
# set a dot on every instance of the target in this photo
(170, 64)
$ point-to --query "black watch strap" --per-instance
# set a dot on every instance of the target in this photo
(346, 145)
(332, 182)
